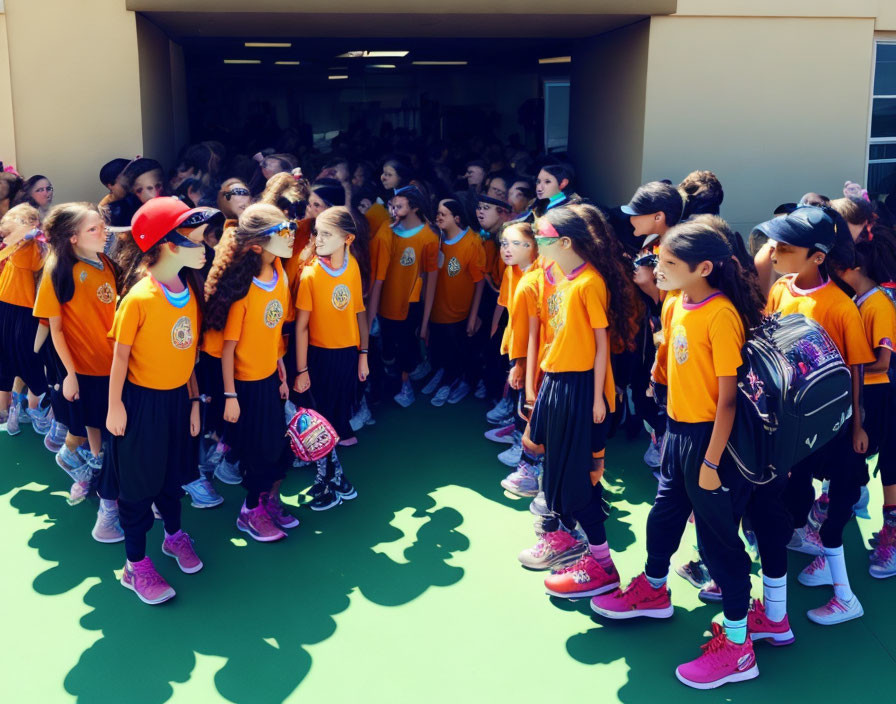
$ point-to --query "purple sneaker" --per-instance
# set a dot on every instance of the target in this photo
(258, 524)
(143, 579)
(279, 515)
(180, 547)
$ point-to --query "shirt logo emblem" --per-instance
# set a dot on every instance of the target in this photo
(182, 334)
(408, 257)
(555, 310)
(83, 276)
(104, 292)
(273, 313)
(680, 344)
(453, 267)
(341, 297)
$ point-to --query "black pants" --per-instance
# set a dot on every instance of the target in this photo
(136, 517)
(772, 524)
(334, 380)
(839, 464)
(18, 328)
(717, 514)
(211, 384)
(400, 341)
(449, 349)
(260, 436)
(886, 460)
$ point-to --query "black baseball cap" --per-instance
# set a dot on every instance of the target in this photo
(807, 226)
(785, 208)
(654, 197)
(482, 198)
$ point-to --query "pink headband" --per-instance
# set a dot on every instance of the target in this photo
(545, 229)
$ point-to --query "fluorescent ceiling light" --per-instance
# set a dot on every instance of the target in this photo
(268, 45)
(439, 63)
(242, 61)
(337, 78)
(382, 65)
(373, 54)
(556, 60)
(287, 63)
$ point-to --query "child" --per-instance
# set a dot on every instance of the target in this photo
(402, 253)
(111, 176)
(654, 208)
(150, 409)
(248, 298)
(143, 180)
(77, 295)
(875, 264)
(552, 187)
(452, 321)
(24, 259)
(590, 310)
(705, 325)
(806, 242)
(331, 342)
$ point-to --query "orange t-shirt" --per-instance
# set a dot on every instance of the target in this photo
(213, 343)
(879, 318)
(376, 217)
(701, 342)
(577, 307)
(461, 265)
(86, 318)
(529, 302)
(506, 294)
(255, 323)
(17, 279)
(334, 299)
(829, 307)
(162, 337)
(494, 265)
(292, 267)
(400, 263)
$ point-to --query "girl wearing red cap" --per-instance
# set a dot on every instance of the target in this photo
(248, 298)
(151, 399)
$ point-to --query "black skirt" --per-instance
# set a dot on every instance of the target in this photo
(334, 382)
(211, 384)
(562, 421)
(18, 328)
(259, 436)
(156, 444)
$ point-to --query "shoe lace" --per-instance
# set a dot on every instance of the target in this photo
(717, 643)
(147, 574)
(818, 564)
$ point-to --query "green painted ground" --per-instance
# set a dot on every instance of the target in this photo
(410, 593)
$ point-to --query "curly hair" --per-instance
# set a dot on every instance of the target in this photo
(594, 241)
(282, 190)
(236, 263)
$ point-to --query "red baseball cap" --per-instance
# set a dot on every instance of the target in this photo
(157, 218)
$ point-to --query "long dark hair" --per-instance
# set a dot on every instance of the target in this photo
(459, 207)
(698, 241)
(594, 241)
(877, 256)
(24, 193)
(236, 263)
(62, 223)
(351, 223)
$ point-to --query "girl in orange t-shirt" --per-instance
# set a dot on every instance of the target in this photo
(25, 253)
(589, 308)
(331, 342)
(248, 298)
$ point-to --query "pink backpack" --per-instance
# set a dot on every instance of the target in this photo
(311, 435)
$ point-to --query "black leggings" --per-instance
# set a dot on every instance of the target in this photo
(400, 340)
(449, 349)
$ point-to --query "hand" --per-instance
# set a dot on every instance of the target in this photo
(600, 410)
(516, 378)
(70, 388)
(473, 326)
(284, 391)
(363, 368)
(195, 423)
(117, 419)
(859, 440)
(231, 410)
(494, 328)
(709, 478)
(424, 333)
(303, 383)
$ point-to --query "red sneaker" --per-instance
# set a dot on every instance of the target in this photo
(721, 662)
(637, 599)
(585, 577)
(760, 627)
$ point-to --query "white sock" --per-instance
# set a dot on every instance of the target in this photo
(837, 565)
(774, 597)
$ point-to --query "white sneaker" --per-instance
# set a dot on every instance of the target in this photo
(503, 435)
(806, 540)
(441, 396)
(836, 611)
(512, 455)
(459, 392)
(433, 384)
(502, 409)
(653, 456)
(405, 397)
(539, 505)
(816, 574)
(421, 370)
(480, 390)
(359, 420)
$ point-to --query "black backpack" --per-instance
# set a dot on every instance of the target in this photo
(794, 395)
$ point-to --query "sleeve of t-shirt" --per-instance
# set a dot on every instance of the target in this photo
(858, 351)
(357, 290)
(519, 323)
(128, 319)
(46, 304)
(726, 339)
(529, 293)
(659, 365)
(504, 291)
(597, 314)
(883, 326)
(476, 265)
(235, 318)
(774, 296)
(380, 252)
(304, 297)
(431, 255)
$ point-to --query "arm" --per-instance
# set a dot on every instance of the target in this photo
(765, 269)
(364, 331)
(117, 417)
(70, 383)
(40, 337)
(532, 360)
(859, 436)
(474, 308)
(303, 380)
(601, 355)
(231, 405)
(496, 318)
(431, 279)
(721, 430)
(373, 306)
(881, 363)
(193, 390)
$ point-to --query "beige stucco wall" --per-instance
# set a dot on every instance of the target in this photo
(7, 123)
(774, 106)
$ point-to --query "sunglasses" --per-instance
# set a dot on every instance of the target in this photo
(515, 243)
(278, 229)
(237, 192)
(48, 189)
(544, 241)
(650, 260)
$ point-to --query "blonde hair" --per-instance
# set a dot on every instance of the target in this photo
(18, 214)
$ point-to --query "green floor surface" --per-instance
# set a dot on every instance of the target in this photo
(411, 593)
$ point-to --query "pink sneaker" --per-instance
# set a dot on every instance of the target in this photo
(721, 662)
(554, 548)
(279, 515)
(180, 547)
(637, 599)
(761, 627)
(502, 435)
(142, 579)
(257, 523)
(584, 578)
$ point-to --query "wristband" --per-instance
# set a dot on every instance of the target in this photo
(303, 371)
(710, 464)
(195, 399)
(228, 394)
(363, 352)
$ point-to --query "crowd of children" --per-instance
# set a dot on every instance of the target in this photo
(161, 344)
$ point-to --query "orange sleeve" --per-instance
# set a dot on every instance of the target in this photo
(726, 336)
(128, 319)
(883, 326)
(774, 297)
(504, 291)
(235, 318)
(304, 298)
(380, 253)
(858, 351)
(659, 366)
(476, 265)
(519, 323)
(357, 290)
(597, 315)
(46, 305)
